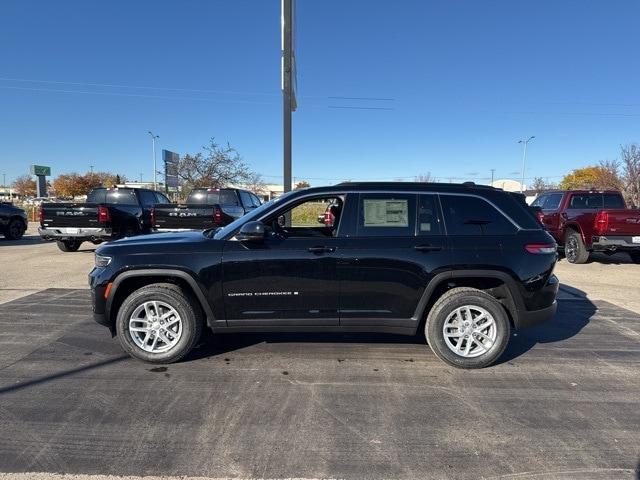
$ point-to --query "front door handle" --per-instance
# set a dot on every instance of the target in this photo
(322, 249)
(428, 248)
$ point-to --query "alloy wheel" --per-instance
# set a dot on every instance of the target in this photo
(155, 326)
(469, 331)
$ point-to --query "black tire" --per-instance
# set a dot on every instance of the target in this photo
(635, 257)
(445, 306)
(69, 245)
(574, 248)
(183, 303)
(15, 230)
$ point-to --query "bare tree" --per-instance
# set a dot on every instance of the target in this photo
(256, 184)
(631, 173)
(424, 177)
(216, 166)
(540, 185)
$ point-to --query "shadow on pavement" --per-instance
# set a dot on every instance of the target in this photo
(572, 316)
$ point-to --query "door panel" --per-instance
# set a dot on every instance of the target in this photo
(382, 276)
(283, 281)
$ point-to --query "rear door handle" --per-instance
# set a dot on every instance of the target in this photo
(322, 249)
(428, 248)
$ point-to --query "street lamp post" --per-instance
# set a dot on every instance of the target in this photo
(524, 157)
(153, 147)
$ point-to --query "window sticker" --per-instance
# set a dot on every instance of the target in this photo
(386, 213)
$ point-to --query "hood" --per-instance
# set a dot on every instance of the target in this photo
(169, 242)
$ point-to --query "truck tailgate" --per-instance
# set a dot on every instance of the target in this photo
(623, 222)
(174, 216)
(194, 216)
(70, 215)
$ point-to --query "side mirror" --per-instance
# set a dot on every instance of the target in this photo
(252, 232)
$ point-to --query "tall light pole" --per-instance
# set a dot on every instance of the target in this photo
(153, 146)
(288, 72)
(524, 157)
(492, 172)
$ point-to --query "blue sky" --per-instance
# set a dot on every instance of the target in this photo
(81, 82)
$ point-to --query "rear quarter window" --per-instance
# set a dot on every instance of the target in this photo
(470, 215)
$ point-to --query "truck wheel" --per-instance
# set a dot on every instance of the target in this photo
(467, 328)
(129, 231)
(159, 323)
(69, 245)
(15, 230)
(635, 257)
(574, 249)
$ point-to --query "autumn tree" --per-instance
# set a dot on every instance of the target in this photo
(216, 166)
(302, 184)
(74, 184)
(25, 186)
(603, 176)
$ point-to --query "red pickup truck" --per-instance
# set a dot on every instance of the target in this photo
(585, 221)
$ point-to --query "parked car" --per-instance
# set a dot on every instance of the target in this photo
(465, 264)
(205, 208)
(13, 221)
(108, 214)
(585, 221)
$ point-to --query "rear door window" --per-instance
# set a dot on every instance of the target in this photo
(247, 202)
(160, 198)
(386, 214)
(148, 199)
(428, 216)
(469, 215)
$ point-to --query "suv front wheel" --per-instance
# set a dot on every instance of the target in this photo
(158, 323)
(467, 328)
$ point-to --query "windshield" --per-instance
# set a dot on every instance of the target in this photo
(222, 232)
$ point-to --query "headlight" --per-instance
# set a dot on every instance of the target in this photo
(102, 260)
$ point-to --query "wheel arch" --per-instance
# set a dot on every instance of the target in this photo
(130, 280)
(573, 226)
(498, 284)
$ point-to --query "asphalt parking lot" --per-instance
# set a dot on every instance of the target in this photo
(563, 402)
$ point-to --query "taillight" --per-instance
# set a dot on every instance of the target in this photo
(540, 215)
(153, 217)
(541, 248)
(217, 216)
(601, 223)
(103, 215)
(40, 215)
(328, 218)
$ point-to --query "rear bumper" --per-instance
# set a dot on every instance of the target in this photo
(529, 318)
(621, 242)
(62, 233)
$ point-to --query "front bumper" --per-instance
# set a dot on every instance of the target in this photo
(622, 242)
(61, 233)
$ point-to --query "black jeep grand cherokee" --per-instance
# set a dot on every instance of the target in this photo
(465, 263)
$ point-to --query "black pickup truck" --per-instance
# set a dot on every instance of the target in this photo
(465, 264)
(108, 214)
(205, 208)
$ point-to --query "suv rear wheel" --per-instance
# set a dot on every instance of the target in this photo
(467, 328)
(158, 323)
